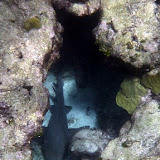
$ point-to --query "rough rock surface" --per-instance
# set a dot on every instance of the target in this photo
(24, 59)
(78, 7)
(89, 143)
(130, 30)
(138, 139)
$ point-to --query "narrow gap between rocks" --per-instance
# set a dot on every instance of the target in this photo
(90, 86)
(157, 1)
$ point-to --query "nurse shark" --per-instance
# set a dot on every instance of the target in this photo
(55, 136)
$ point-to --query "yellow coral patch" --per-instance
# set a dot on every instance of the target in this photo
(152, 82)
(32, 23)
(130, 94)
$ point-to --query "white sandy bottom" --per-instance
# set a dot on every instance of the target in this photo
(81, 101)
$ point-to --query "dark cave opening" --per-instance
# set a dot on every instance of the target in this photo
(90, 67)
(157, 1)
(90, 80)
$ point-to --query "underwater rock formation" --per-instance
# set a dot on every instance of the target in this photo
(78, 7)
(139, 138)
(24, 60)
(129, 30)
(89, 143)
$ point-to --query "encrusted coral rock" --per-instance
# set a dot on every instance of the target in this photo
(78, 7)
(139, 139)
(130, 28)
(24, 58)
(89, 143)
(130, 94)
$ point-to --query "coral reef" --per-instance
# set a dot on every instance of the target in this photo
(23, 68)
(152, 81)
(130, 94)
(131, 28)
(139, 139)
(127, 30)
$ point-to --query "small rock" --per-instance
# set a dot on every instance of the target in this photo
(89, 143)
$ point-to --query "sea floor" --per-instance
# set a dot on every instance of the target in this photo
(81, 101)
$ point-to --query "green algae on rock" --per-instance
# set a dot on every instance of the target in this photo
(32, 23)
(152, 82)
(106, 49)
(130, 94)
(129, 104)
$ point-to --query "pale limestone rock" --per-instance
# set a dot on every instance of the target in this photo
(79, 7)
(89, 143)
(138, 139)
(130, 30)
(24, 60)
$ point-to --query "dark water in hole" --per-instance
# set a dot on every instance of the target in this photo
(80, 54)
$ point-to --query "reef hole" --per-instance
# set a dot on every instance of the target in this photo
(90, 86)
